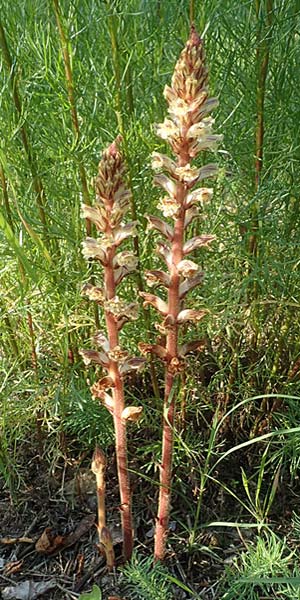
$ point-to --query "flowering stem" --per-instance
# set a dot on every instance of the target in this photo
(112, 203)
(188, 131)
(113, 18)
(119, 405)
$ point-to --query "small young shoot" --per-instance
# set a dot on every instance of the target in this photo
(188, 130)
(105, 540)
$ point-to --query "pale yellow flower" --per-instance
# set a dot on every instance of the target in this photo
(92, 248)
(132, 413)
(167, 184)
(167, 130)
(198, 130)
(120, 308)
(187, 174)
(117, 354)
(187, 268)
(126, 259)
(93, 293)
(97, 214)
(161, 161)
(199, 195)
(169, 207)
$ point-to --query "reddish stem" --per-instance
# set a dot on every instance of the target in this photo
(164, 500)
(119, 405)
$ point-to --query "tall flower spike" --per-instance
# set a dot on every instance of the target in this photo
(188, 130)
(112, 203)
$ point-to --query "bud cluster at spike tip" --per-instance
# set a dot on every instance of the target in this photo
(188, 123)
(112, 202)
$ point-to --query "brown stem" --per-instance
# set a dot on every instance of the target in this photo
(262, 59)
(107, 545)
(189, 67)
(37, 182)
(122, 465)
(98, 467)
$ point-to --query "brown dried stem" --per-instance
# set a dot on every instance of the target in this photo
(119, 406)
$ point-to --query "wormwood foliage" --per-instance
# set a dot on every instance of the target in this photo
(267, 568)
(146, 580)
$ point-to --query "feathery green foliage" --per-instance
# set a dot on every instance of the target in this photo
(145, 580)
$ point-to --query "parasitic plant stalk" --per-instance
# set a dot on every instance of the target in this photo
(188, 130)
(105, 540)
(112, 203)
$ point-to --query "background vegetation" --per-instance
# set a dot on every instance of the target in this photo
(54, 123)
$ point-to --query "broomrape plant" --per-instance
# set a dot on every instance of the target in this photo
(112, 203)
(188, 130)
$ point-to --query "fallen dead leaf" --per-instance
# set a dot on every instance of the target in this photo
(48, 542)
(27, 590)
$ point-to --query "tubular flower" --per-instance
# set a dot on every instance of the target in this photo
(188, 131)
(111, 205)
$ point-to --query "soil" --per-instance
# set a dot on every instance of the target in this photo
(56, 499)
